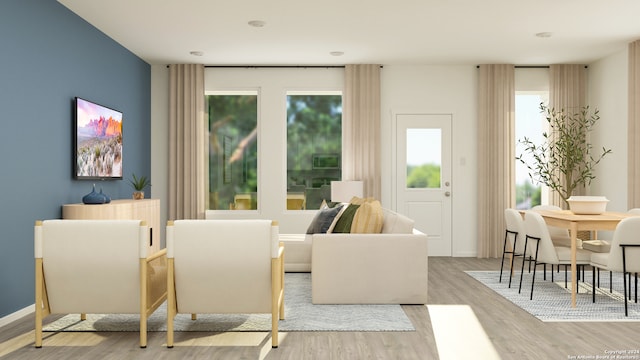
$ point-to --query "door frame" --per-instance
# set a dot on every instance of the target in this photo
(394, 166)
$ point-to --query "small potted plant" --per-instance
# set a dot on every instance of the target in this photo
(139, 184)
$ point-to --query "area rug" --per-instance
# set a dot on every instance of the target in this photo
(300, 313)
(552, 302)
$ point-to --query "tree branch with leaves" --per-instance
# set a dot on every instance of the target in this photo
(564, 161)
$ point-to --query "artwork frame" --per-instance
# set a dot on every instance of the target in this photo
(97, 141)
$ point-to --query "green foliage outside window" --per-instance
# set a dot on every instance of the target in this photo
(233, 149)
(423, 176)
(314, 129)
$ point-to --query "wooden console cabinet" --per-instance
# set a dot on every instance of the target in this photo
(144, 209)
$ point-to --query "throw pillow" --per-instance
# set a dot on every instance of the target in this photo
(368, 219)
(343, 225)
(337, 218)
(323, 219)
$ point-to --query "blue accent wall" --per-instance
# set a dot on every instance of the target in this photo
(49, 55)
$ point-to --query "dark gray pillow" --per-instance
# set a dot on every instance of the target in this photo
(323, 219)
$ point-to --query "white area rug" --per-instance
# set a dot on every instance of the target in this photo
(552, 302)
(300, 315)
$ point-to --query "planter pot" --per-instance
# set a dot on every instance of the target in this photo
(138, 195)
(588, 205)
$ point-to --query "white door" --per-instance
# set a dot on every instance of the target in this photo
(423, 176)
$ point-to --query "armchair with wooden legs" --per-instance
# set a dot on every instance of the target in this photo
(96, 267)
(224, 267)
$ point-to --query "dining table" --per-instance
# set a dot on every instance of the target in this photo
(581, 222)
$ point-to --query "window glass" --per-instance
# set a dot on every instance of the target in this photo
(530, 123)
(233, 150)
(424, 158)
(314, 147)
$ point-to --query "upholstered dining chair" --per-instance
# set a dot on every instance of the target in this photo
(224, 267)
(559, 236)
(623, 256)
(96, 267)
(540, 247)
(513, 237)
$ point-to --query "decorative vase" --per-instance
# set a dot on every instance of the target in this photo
(138, 195)
(94, 198)
(107, 198)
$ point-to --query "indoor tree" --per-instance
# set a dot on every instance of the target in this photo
(564, 161)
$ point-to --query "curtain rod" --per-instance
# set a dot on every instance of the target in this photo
(532, 66)
(275, 66)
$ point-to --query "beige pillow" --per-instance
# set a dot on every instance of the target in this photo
(368, 219)
(359, 201)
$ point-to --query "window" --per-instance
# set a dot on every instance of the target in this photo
(530, 123)
(233, 150)
(424, 158)
(314, 147)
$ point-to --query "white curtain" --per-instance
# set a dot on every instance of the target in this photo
(568, 91)
(633, 177)
(361, 127)
(187, 147)
(496, 154)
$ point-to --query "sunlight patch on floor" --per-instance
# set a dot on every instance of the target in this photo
(458, 333)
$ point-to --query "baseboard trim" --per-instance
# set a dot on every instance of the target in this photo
(17, 315)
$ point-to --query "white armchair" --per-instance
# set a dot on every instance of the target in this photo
(224, 266)
(96, 267)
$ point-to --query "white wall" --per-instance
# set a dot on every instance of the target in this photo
(608, 92)
(160, 140)
(438, 89)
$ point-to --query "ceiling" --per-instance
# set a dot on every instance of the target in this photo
(303, 32)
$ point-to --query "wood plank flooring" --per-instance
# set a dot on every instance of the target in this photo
(514, 333)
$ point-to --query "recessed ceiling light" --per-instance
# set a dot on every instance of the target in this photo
(257, 23)
(196, 53)
(544, 34)
(337, 53)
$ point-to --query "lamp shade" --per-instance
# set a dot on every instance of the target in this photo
(343, 191)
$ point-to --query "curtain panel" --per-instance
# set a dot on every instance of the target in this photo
(187, 146)
(361, 127)
(633, 165)
(496, 160)
(568, 91)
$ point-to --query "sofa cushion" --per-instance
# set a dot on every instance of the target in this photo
(395, 223)
(343, 225)
(323, 220)
(368, 219)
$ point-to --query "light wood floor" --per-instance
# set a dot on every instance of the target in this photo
(514, 333)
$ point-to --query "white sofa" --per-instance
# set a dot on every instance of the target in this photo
(385, 268)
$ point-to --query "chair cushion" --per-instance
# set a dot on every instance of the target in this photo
(600, 246)
(600, 260)
(564, 255)
(564, 240)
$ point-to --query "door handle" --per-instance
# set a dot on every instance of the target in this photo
(447, 193)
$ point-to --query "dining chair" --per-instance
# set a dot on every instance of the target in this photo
(539, 246)
(624, 256)
(559, 236)
(634, 211)
(513, 236)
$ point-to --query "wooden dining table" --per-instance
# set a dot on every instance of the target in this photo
(578, 222)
